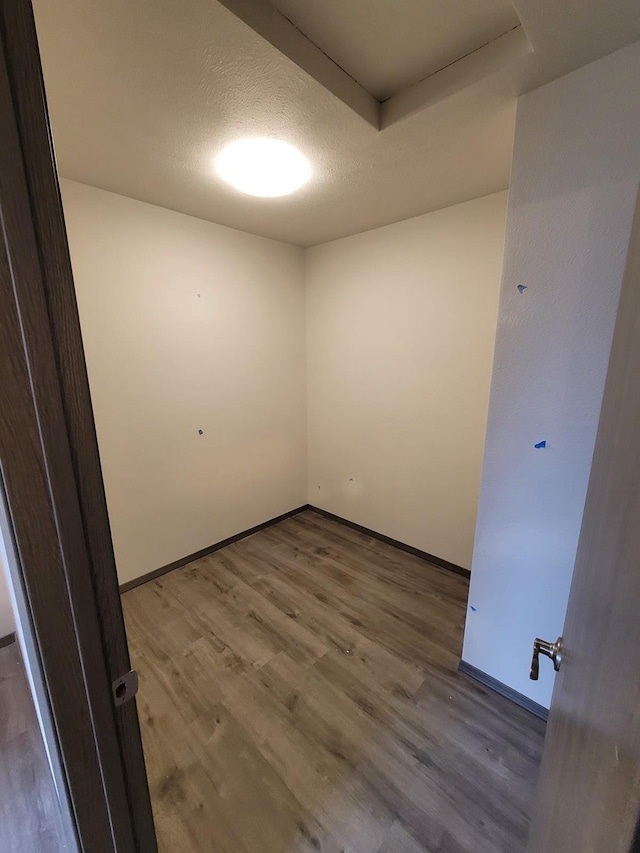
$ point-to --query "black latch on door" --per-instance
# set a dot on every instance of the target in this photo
(125, 687)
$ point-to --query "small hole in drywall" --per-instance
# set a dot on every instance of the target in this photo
(200, 432)
(522, 288)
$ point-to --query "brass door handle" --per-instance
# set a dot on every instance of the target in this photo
(551, 650)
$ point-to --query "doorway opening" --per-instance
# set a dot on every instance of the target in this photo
(291, 393)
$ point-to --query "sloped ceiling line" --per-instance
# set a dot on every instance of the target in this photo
(493, 57)
(285, 36)
(272, 26)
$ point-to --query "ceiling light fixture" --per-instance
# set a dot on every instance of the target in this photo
(263, 167)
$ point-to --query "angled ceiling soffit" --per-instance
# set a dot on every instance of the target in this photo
(496, 56)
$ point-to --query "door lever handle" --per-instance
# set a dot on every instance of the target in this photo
(551, 650)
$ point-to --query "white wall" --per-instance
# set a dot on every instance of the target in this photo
(573, 188)
(188, 325)
(7, 623)
(400, 334)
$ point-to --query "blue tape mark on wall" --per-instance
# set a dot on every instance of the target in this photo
(473, 608)
(540, 445)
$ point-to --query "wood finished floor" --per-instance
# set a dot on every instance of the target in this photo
(299, 693)
(29, 810)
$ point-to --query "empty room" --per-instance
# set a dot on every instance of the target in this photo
(319, 443)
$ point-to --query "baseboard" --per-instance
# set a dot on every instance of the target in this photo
(430, 558)
(183, 561)
(7, 640)
(493, 684)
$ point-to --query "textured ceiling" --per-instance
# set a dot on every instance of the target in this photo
(387, 45)
(143, 95)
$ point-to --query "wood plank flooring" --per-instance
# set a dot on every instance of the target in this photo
(299, 693)
(29, 810)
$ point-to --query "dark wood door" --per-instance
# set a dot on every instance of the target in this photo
(51, 481)
(589, 789)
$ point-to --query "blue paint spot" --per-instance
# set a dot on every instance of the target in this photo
(475, 609)
(522, 288)
(540, 445)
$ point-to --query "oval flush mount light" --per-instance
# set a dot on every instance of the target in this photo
(263, 167)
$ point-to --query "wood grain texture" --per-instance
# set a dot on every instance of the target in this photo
(417, 552)
(299, 692)
(47, 221)
(589, 796)
(39, 513)
(204, 552)
(29, 811)
(488, 681)
(44, 516)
